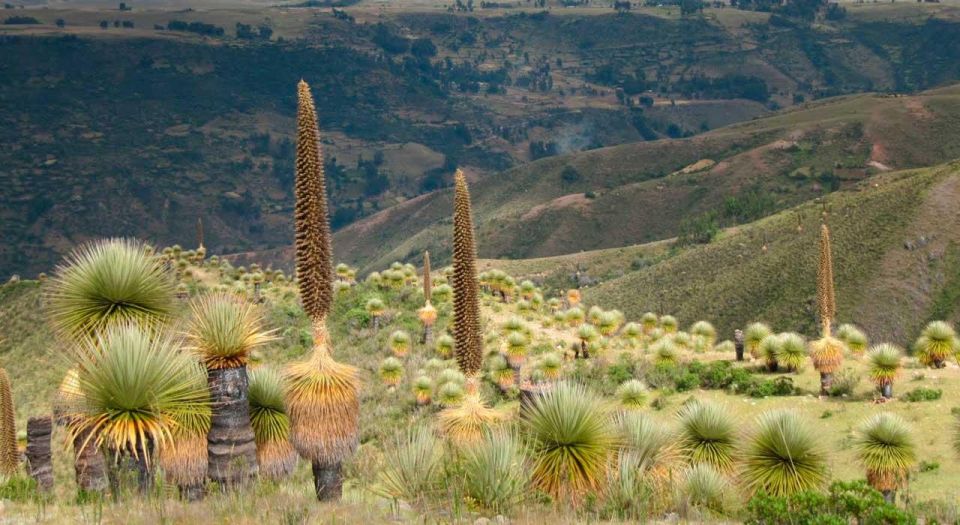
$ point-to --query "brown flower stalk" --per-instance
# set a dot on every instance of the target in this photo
(314, 252)
(323, 395)
(826, 299)
(427, 283)
(9, 458)
(466, 303)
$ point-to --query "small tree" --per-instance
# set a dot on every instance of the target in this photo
(884, 362)
(886, 450)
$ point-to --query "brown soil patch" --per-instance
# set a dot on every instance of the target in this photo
(577, 201)
(916, 108)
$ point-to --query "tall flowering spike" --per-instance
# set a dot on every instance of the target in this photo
(200, 232)
(466, 302)
(314, 252)
(9, 458)
(427, 283)
(826, 300)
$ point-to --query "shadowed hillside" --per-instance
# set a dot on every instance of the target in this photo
(642, 192)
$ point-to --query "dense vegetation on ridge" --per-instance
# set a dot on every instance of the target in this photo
(154, 115)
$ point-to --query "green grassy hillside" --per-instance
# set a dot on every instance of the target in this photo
(642, 192)
(896, 242)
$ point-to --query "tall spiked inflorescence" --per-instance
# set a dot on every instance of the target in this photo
(322, 395)
(8, 432)
(427, 314)
(427, 280)
(826, 352)
(826, 299)
(466, 302)
(314, 252)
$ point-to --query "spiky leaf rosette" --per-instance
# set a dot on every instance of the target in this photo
(753, 335)
(572, 438)
(654, 451)
(884, 363)
(314, 252)
(391, 371)
(495, 472)
(413, 466)
(783, 456)
(793, 351)
(224, 329)
(375, 306)
(466, 299)
(665, 351)
(323, 404)
(669, 324)
(465, 423)
(704, 330)
(886, 450)
(937, 343)
(826, 298)
(106, 282)
(9, 458)
(134, 388)
(704, 486)
(769, 349)
(707, 435)
(853, 337)
(271, 425)
(654, 444)
(632, 394)
(826, 354)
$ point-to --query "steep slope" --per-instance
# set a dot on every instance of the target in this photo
(641, 192)
(896, 245)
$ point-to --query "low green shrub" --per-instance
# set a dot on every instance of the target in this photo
(781, 386)
(844, 503)
(718, 375)
(844, 383)
(923, 394)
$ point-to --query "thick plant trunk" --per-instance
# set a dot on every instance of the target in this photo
(887, 390)
(889, 496)
(328, 481)
(826, 380)
(582, 352)
(89, 465)
(427, 334)
(773, 366)
(738, 344)
(127, 467)
(376, 323)
(232, 452)
(39, 463)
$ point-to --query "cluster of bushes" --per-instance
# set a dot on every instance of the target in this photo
(199, 28)
(20, 20)
(716, 375)
(247, 32)
(844, 503)
(923, 394)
